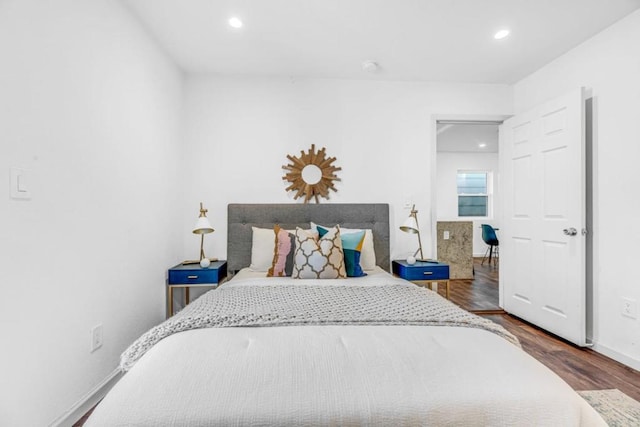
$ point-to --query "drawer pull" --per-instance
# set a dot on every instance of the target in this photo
(192, 277)
(428, 273)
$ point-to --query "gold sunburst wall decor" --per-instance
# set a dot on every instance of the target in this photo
(311, 175)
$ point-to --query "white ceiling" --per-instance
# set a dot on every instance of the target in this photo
(421, 40)
(467, 138)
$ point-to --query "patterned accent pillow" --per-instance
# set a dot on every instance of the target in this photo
(352, 248)
(368, 257)
(318, 258)
(282, 264)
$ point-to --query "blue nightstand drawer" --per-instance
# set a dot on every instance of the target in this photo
(421, 270)
(194, 274)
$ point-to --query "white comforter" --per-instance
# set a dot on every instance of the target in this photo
(340, 375)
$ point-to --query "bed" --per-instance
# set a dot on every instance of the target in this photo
(371, 350)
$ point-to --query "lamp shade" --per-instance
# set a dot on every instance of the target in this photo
(202, 226)
(410, 225)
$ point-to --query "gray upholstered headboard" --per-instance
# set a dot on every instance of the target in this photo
(241, 217)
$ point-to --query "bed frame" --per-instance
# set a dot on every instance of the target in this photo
(241, 217)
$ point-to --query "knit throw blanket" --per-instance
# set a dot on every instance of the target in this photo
(286, 305)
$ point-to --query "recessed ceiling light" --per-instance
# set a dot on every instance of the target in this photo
(501, 34)
(482, 145)
(235, 22)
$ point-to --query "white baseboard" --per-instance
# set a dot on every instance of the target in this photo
(617, 356)
(88, 401)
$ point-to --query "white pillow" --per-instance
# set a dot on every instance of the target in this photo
(262, 245)
(368, 253)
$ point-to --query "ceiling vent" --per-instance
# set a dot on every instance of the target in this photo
(370, 67)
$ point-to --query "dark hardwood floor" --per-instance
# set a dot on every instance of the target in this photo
(478, 294)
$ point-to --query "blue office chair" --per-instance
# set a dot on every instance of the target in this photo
(490, 238)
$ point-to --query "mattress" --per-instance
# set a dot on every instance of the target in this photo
(401, 375)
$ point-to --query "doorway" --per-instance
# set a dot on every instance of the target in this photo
(466, 189)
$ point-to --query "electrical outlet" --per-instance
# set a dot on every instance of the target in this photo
(446, 235)
(629, 308)
(96, 338)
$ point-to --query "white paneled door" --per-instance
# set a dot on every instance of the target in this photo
(542, 242)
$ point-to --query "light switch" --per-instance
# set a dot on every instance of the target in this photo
(23, 186)
(20, 184)
(446, 235)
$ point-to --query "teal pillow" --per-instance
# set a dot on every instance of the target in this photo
(352, 248)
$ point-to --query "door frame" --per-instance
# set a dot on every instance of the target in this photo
(461, 118)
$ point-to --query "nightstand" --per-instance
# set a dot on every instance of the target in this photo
(193, 276)
(423, 273)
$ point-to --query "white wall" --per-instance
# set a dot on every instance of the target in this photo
(91, 107)
(448, 165)
(239, 131)
(609, 64)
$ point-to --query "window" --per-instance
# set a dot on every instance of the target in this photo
(473, 194)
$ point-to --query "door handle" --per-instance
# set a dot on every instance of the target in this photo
(570, 231)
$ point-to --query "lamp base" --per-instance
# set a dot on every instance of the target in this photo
(193, 261)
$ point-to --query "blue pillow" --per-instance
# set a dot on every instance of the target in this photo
(352, 248)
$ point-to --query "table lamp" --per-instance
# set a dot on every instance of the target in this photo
(202, 227)
(411, 226)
